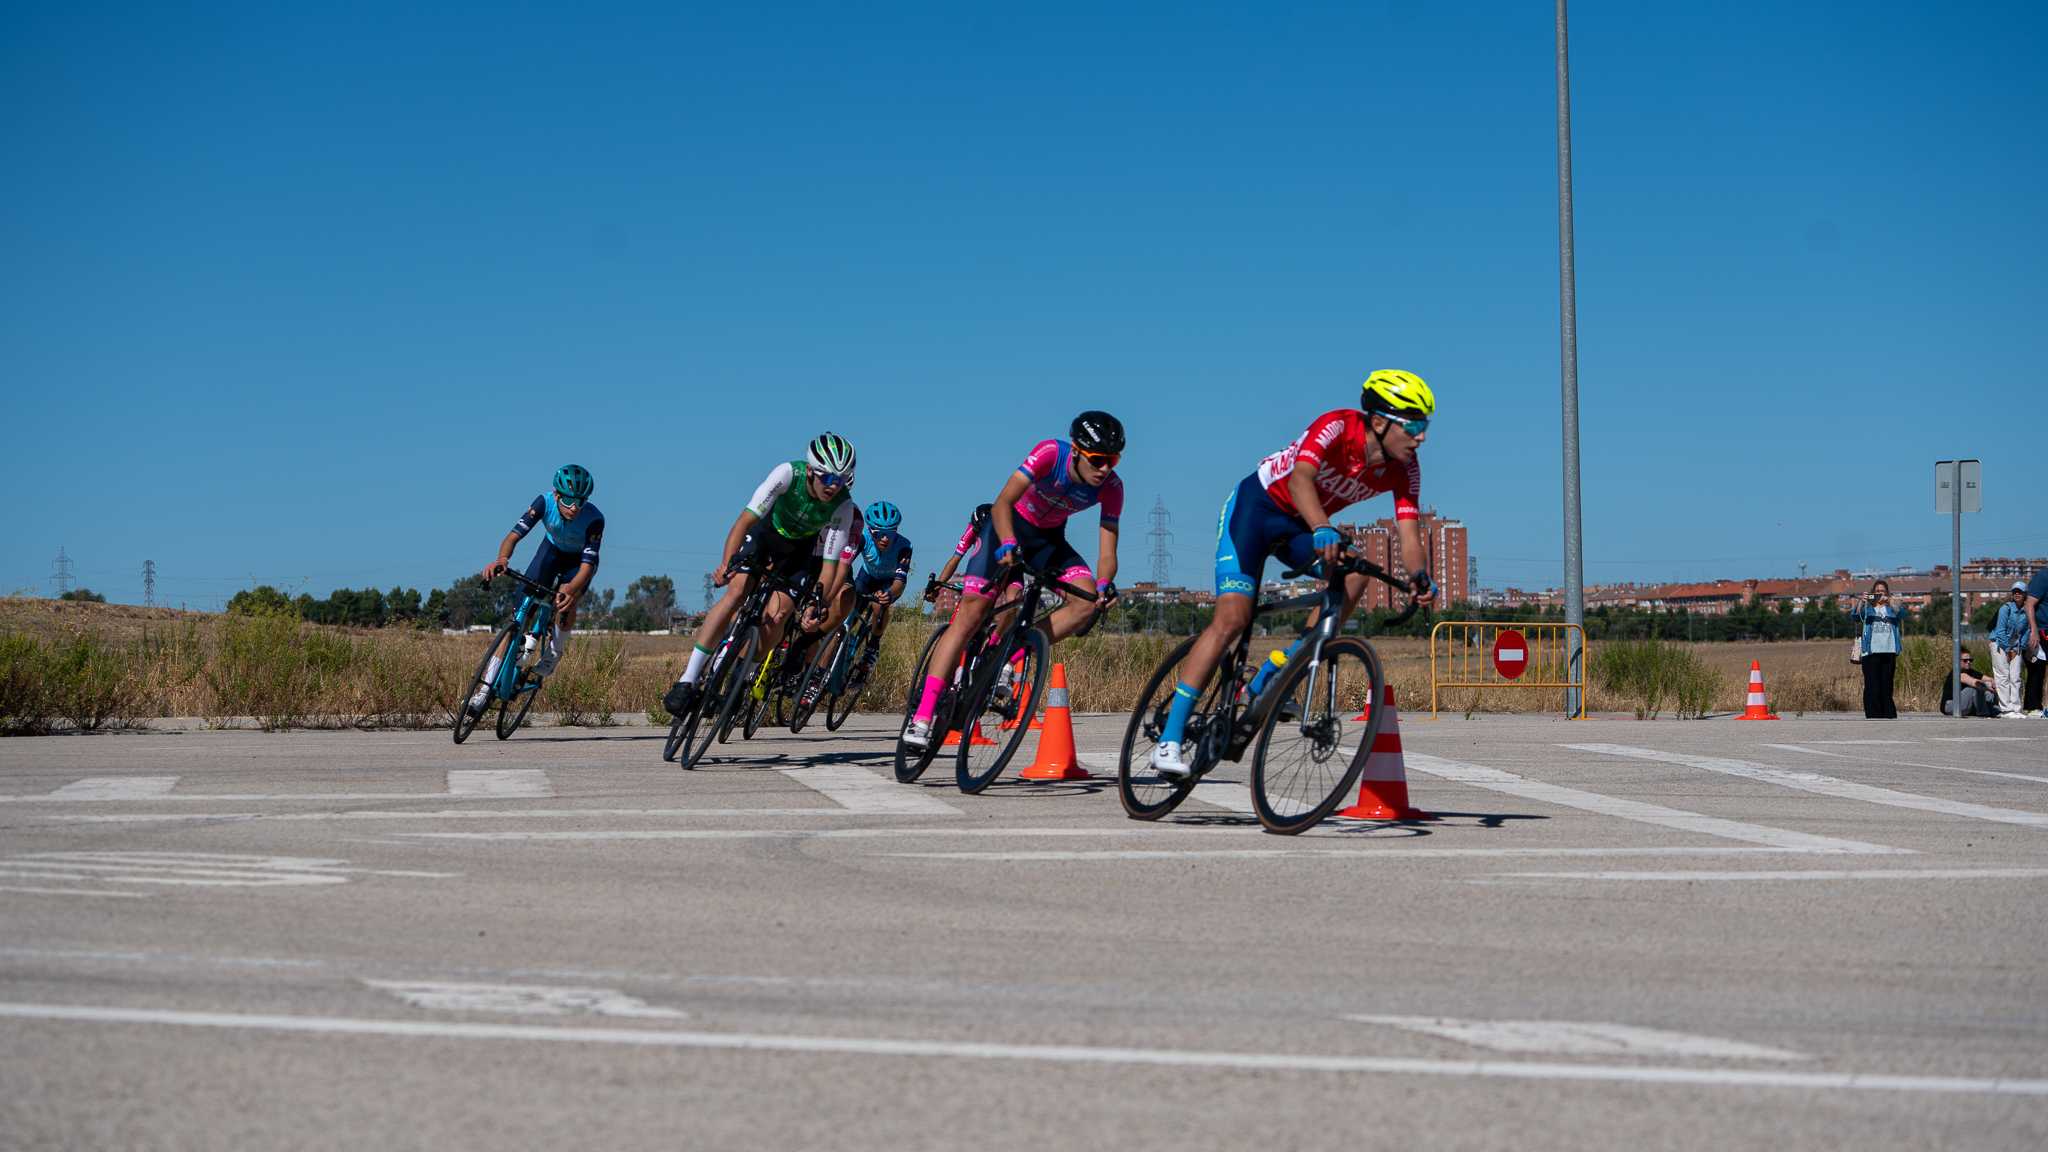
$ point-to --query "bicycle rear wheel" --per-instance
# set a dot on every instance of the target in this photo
(911, 762)
(1300, 771)
(1147, 795)
(465, 722)
(986, 713)
(799, 713)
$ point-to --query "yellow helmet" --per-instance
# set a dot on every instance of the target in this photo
(1396, 392)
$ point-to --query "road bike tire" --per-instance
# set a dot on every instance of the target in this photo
(509, 720)
(841, 704)
(978, 765)
(1296, 785)
(719, 684)
(757, 710)
(1147, 795)
(738, 690)
(911, 762)
(464, 722)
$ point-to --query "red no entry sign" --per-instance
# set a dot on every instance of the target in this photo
(1510, 653)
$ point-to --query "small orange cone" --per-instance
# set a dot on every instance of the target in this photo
(1383, 786)
(1758, 706)
(1056, 759)
(980, 738)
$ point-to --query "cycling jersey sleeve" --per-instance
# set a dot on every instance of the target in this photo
(771, 489)
(593, 538)
(1040, 461)
(1407, 487)
(1327, 431)
(532, 516)
(836, 537)
(1112, 501)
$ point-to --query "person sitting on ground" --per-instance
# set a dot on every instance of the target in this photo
(1980, 698)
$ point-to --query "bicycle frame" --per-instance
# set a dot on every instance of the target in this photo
(540, 599)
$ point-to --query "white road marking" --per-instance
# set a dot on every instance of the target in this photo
(524, 999)
(191, 869)
(1639, 811)
(1859, 741)
(1911, 764)
(1817, 874)
(500, 783)
(1077, 1055)
(1223, 794)
(826, 833)
(471, 814)
(1350, 855)
(116, 788)
(71, 892)
(1573, 1038)
(856, 789)
(251, 797)
(1823, 785)
(1983, 739)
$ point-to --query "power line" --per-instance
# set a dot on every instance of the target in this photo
(61, 578)
(149, 583)
(1162, 543)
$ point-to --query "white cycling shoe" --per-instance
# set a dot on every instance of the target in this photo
(479, 700)
(919, 734)
(1167, 762)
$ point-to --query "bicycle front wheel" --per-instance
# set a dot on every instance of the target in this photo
(724, 681)
(1310, 750)
(1146, 794)
(911, 762)
(994, 724)
(509, 718)
(465, 721)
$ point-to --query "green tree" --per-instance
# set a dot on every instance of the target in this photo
(84, 596)
(655, 596)
(262, 600)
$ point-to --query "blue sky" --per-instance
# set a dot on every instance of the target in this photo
(319, 296)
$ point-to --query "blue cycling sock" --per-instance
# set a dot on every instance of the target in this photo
(1184, 699)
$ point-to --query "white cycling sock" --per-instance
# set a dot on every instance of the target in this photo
(491, 673)
(698, 658)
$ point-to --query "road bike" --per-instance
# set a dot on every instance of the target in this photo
(518, 678)
(1310, 728)
(728, 675)
(844, 676)
(991, 712)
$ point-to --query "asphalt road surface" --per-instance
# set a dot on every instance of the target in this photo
(1619, 935)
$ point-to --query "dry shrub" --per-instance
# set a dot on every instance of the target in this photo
(1650, 673)
(582, 692)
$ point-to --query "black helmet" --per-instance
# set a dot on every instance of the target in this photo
(1097, 432)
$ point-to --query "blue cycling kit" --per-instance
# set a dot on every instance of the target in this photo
(879, 568)
(566, 545)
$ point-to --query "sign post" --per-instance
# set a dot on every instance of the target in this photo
(1958, 488)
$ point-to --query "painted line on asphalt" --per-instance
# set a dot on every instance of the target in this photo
(1823, 785)
(856, 789)
(500, 783)
(1908, 763)
(1861, 741)
(1352, 855)
(1984, 739)
(116, 788)
(1075, 1055)
(1639, 811)
(472, 814)
(523, 999)
(248, 797)
(1224, 794)
(1816, 874)
(71, 892)
(1577, 1038)
(609, 834)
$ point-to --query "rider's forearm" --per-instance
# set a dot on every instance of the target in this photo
(1301, 484)
(1106, 556)
(1004, 511)
(506, 546)
(1413, 556)
(740, 527)
(581, 581)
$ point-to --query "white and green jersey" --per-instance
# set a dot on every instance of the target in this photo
(784, 500)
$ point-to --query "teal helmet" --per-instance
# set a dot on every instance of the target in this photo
(573, 483)
(883, 516)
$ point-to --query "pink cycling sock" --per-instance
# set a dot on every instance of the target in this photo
(1017, 657)
(929, 702)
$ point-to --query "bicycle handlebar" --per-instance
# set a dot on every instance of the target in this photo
(1348, 563)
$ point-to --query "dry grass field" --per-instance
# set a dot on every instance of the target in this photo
(96, 666)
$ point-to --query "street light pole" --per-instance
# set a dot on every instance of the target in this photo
(1574, 541)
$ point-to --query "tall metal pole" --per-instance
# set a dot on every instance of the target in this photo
(1955, 599)
(1574, 542)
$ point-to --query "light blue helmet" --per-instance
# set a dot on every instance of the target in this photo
(883, 516)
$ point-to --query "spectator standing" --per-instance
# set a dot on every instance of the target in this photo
(1883, 624)
(1979, 697)
(2009, 651)
(2037, 632)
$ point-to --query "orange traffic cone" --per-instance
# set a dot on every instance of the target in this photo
(1383, 786)
(1758, 707)
(1056, 759)
(980, 738)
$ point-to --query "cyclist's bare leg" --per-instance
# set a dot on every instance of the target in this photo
(1233, 614)
(772, 620)
(712, 630)
(946, 653)
(841, 605)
